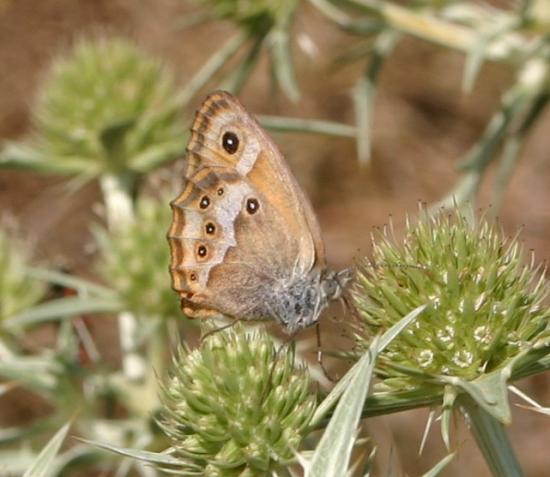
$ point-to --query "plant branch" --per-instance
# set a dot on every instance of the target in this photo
(492, 440)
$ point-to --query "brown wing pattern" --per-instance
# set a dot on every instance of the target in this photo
(225, 252)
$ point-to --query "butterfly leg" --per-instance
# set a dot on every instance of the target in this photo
(288, 341)
(221, 328)
(320, 354)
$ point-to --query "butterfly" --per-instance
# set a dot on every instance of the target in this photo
(244, 239)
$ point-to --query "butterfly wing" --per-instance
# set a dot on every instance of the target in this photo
(242, 228)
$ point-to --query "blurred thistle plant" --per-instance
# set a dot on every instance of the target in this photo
(485, 324)
(516, 36)
(105, 108)
(261, 24)
(18, 290)
(134, 261)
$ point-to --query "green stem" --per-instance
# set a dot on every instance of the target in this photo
(365, 91)
(484, 151)
(282, 63)
(211, 67)
(119, 208)
(242, 72)
(492, 440)
(315, 126)
(119, 211)
(462, 193)
(512, 149)
(344, 21)
(427, 26)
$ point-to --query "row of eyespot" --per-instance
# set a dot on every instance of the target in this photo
(230, 143)
(252, 206)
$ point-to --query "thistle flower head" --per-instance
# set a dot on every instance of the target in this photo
(236, 407)
(485, 303)
(252, 15)
(135, 261)
(17, 290)
(106, 106)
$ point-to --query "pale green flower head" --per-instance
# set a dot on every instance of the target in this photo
(230, 411)
(485, 304)
(106, 107)
(254, 15)
(134, 261)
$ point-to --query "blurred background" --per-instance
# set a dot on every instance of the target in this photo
(423, 123)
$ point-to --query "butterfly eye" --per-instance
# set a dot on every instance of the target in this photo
(252, 206)
(230, 142)
(193, 277)
(210, 228)
(220, 191)
(202, 251)
(205, 202)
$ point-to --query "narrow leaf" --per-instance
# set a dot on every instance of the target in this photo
(435, 470)
(64, 307)
(365, 92)
(27, 157)
(211, 67)
(35, 373)
(331, 457)
(242, 72)
(300, 125)
(41, 465)
(384, 341)
(156, 458)
(67, 280)
(449, 399)
(282, 62)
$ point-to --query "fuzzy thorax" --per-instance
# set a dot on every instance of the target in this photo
(298, 305)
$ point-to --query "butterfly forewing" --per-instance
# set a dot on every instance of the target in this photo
(242, 228)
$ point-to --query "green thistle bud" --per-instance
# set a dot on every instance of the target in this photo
(107, 107)
(135, 261)
(254, 15)
(233, 412)
(485, 304)
(17, 290)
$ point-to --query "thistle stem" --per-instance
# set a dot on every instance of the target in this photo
(509, 47)
(313, 126)
(211, 67)
(491, 439)
(119, 208)
(119, 211)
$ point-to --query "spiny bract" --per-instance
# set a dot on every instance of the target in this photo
(485, 305)
(231, 411)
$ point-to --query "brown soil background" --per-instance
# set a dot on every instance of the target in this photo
(423, 125)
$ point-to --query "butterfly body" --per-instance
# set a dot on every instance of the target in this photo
(244, 240)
